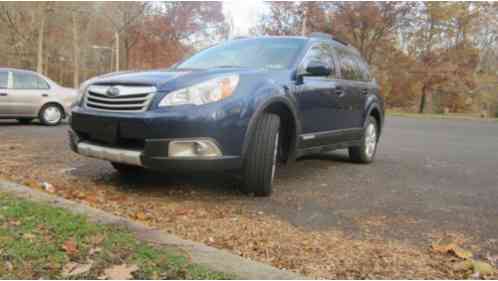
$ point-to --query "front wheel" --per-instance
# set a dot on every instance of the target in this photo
(366, 152)
(261, 160)
(51, 115)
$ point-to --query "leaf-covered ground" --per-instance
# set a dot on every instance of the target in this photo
(42, 242)
(216, 214)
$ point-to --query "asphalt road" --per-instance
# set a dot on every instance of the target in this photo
(430, 177)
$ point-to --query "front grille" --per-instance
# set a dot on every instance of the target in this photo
(119, 98)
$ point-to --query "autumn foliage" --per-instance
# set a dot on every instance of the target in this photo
(426, 56)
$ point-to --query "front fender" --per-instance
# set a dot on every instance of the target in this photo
(263, 98)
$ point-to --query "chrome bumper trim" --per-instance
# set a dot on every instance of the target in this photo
(131, 157)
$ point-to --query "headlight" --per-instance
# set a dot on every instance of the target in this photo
(206, 92)
(80, 94)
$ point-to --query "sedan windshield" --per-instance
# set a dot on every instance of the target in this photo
(270, 53)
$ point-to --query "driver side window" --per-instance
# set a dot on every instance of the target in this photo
(322, 53)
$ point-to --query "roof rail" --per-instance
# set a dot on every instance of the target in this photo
(328, 36)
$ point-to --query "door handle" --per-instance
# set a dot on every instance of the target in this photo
(3, 94)
(44, 95)
(364, 92)
(339, 91)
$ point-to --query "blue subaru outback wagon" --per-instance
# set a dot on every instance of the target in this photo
(241, 106)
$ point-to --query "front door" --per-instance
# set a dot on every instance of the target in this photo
(321, 101)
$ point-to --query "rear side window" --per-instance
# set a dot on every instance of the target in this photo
(351, 68)
(28, 81)
(363, 68)
(4, 78)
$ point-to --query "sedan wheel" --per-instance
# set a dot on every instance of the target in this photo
(51, 115)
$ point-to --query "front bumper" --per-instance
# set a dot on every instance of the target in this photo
(153, 157)
(143, 139)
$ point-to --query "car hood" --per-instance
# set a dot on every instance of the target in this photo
(143, 78)
(167, 80)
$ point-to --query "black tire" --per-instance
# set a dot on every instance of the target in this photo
(260, 162)
(127, 170)
(48, 122)
(362, 154)
(25, 121)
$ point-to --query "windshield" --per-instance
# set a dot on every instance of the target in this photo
(270, 53)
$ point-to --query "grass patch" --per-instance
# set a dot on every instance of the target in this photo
(38, 241)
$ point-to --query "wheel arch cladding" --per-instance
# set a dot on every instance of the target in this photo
(289, 126)
(375, 113)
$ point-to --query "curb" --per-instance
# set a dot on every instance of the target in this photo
(212, 258)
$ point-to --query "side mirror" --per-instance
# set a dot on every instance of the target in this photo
(316, 68)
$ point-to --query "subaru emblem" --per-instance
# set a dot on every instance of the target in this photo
(113, 92)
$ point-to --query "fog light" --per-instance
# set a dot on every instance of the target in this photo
(196, 148)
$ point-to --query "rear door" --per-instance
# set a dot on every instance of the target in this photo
(365, 87)
(28, 93)
(355, 89)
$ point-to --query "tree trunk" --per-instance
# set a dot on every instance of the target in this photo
(41, 35)
(426, 105)
(305, 23)
(116, 35)
(76, 52)
(126, 47)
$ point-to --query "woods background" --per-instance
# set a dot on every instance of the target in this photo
(426, 56)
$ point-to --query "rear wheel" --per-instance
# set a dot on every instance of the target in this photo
(127, 170)
(261, 160)
(25, 121)
(51, 114)
(366, 152)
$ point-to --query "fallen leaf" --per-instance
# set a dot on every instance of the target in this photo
(91, 198)
(140, 216)
(9, 266)
(73, 269)
(28, 236)
(483, 268)
(492, 259)
(120, 272)
(443, 248)
(118, 198)
(461, 253)
(14, 223)
(97, 239)
(182, 212)
(463, 265)
(94, 251)
(451, 247)
(48, 187)
(80, 195)
(70, 247)
(475, 275)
